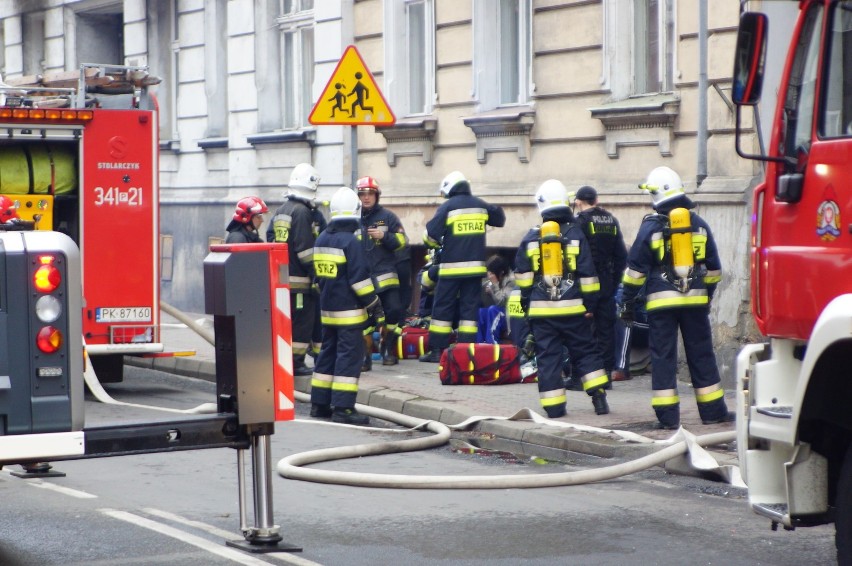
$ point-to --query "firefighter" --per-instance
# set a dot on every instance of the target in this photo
(244, 226)
(458, 228)
(556, 275)
(609, 254)
(297, 223)
(382, 235)
(675, 257)
(347, 300)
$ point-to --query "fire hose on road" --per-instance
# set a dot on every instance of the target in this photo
(292, 466)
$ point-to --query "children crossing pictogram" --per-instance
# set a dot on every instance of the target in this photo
(351, 96)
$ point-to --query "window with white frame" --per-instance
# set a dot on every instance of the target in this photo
(639, 49)
(296, 24)
(410, 56)
(502, 27)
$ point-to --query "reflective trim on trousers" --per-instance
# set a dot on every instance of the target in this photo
(665, 398)
(344, 383)
(553, 397)
(709, 394)
(441, 326)
(322, 380)
(594, 379)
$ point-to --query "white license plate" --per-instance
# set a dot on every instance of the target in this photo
(123, 314)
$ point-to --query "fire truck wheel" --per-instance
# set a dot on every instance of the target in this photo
(109, 368)
(843, 507)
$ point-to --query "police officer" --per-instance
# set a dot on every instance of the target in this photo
(347, 299)
(458, 228)
(678, 293)
(297, 223)
(558, 288)
(610, 258)
(383, 235)
(244, 226)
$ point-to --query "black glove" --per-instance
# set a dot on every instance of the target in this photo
(376, 312)
(627, 313)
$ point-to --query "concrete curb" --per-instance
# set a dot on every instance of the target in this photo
(521, 432)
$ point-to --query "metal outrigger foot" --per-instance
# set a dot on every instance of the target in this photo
(264, 536)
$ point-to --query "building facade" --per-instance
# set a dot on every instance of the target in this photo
(509, 92)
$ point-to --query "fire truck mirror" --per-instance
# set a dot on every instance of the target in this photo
(41, 369)
(249, 300)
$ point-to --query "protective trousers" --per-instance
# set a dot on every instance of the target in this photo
(303, 308)
(462, 295)
(694, 325)
(338, 367)
(551, 335)
(604, 324)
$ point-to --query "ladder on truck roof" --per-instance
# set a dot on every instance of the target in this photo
(77, 89)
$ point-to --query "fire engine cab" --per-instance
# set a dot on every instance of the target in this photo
(79, 155)
(794, 428)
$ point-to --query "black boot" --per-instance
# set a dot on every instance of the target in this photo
(349, 416)
(300, 367)
(320, 411)
(728, 417)
(599, 402)
(368, 362)
(555, 411)
(389, 349)
(433, 356)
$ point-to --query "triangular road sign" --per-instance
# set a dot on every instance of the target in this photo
(351, 96)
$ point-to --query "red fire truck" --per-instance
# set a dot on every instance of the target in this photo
(794, 427)
(79, 155)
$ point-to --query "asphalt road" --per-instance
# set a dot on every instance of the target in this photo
(178, 508)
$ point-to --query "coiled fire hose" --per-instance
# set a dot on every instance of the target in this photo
(291, 466)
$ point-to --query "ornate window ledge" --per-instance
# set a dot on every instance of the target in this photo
(213, 143)
(410, 136)
(307, 136)
(641, 120)
(505, 129)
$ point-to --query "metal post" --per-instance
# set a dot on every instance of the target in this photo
(701, 149)
(353, 157)
(241, 485)
(261, 464)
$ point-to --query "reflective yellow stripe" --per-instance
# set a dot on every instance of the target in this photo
(665, 398)
(451, 271)
(441, 326)
(344, 318)
(665, 299)
(321, 380)
(633, 277)
(709, 394)
(594, 379)
(524, 280)
(346, 387)
(590, 285)
(551, 401)
(556, 308)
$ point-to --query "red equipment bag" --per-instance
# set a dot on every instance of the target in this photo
(481, 364)
(412, 343)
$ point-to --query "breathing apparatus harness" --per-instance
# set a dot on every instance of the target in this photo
(678, 260)
(554, 279)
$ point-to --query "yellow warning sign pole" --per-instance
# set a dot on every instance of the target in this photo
(351, 98)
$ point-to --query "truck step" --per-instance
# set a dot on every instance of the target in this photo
(775, 511)
(779, 412)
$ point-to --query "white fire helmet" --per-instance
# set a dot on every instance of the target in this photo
(451, 181)
(304, 177)
(345, 204)
(663, 184)
(551, 194)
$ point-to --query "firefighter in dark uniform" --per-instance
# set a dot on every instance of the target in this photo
(296, 224)
(458, 228)
(675, 257)
(382, 235)
(244, 226)
(556, 275)
(609, 254)
(347, 300)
